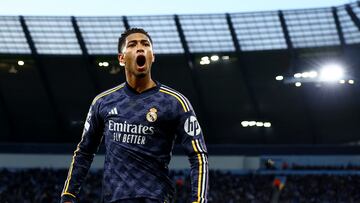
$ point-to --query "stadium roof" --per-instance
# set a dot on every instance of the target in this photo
(172, 34)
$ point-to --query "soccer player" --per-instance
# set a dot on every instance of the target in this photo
(138, 121)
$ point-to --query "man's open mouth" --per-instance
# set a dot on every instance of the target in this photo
(140, 60)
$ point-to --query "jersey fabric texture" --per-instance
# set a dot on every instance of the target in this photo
(139, 131)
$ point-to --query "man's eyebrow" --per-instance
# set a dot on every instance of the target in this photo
(141, 41)
(132, 41)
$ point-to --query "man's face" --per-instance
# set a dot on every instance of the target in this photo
(137, 55)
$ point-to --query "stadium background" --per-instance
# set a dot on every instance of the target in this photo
(257, 125)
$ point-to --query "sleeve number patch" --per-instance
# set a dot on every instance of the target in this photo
(191, 126)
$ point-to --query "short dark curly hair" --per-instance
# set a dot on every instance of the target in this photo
(128, 32)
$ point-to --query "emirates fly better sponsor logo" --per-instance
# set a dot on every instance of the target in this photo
(130, 133)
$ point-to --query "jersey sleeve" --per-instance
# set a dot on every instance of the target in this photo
(84, 153)
(192, 140)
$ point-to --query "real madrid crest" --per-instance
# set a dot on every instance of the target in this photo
(151, 116)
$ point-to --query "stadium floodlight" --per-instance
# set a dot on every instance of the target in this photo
(351, 82)
(204, 62)
(21, 63)
(331, 73)
(214, 57)
(267, 124)
(225, 57)
(313, 74)
(245, 123)
(297, 75)
(298, 84)
(305, 74)
(205, 58)
(342, 81)
(106, 64)
(259, 124)
(100, 64)
(252, 123)
(279, 77)
(255, 124)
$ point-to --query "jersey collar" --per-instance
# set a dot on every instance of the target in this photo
(132, 92)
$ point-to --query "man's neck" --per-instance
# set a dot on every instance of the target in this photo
(140, 84)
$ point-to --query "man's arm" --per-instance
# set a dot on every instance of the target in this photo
(193, 143)
(84, 154)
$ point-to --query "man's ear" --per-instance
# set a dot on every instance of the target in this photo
(121, 58)
(153, 59)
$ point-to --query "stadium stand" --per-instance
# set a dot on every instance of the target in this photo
(44, 185)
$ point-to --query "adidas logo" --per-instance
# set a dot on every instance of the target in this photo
(113, 111)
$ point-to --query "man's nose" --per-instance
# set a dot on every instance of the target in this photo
(140, 50)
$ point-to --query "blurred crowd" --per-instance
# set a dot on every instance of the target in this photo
(330, 167)
(45, 185)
